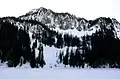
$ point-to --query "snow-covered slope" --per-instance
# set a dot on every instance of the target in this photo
(23, 73)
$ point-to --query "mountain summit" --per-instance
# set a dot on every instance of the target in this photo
(66, 21)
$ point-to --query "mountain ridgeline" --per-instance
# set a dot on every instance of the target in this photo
(44, 38)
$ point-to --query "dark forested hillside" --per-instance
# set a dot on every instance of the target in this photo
(14, 44)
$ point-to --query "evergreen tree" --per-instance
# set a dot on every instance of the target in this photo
(65, 58)
(60, 41)
(72, 59)
(78, 58)
(33, 61)
(40, 59)
(61, 57)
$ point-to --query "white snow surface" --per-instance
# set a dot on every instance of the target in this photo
(68, 73)
(51, 56)
(75, 32)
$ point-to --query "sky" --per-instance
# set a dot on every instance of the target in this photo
(88, 9)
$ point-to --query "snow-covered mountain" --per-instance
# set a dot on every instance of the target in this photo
(58, 39)
(71, 23)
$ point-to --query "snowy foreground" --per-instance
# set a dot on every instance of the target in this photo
(26, 73)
